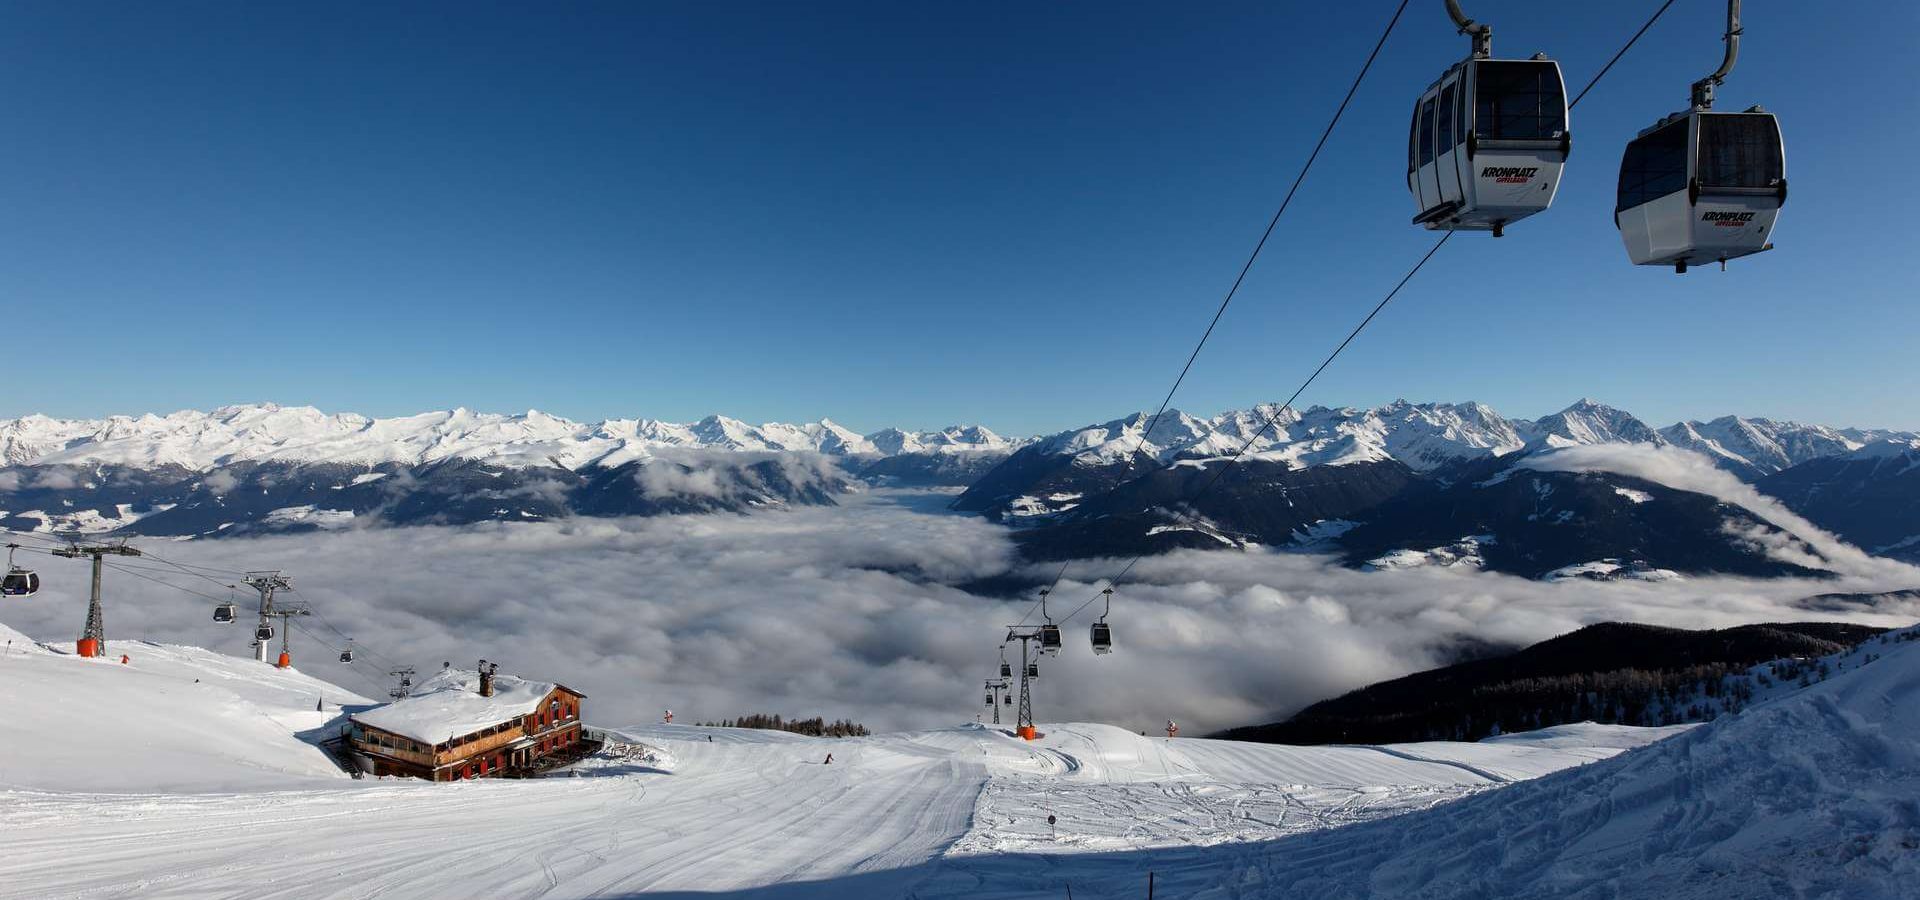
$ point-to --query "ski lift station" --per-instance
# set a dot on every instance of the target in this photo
(461, 725)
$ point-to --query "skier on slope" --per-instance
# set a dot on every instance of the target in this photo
(829, 760)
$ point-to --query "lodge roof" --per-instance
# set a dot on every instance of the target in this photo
(449, 705)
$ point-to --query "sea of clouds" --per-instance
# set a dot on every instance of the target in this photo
(858, 612)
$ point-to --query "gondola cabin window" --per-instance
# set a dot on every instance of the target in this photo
(1518, 100)
(1740, 150)
(1654, 166)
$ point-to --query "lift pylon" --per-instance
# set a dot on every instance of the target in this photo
(93, 638)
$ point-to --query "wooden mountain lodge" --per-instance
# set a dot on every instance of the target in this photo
(462, 725)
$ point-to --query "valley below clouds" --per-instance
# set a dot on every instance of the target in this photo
(880, 610)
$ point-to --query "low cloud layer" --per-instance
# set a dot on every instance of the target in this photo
(850, 612)
(1689, 471)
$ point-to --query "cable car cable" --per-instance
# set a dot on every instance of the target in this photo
(1623, 51)
(1270, 420)
(1180, 516)
(1259, 245)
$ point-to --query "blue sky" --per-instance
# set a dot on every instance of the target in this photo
(1014, 214)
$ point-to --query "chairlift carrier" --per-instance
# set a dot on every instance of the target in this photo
(1489, 139)
(1699, 185)
(18, 582)
(1100, 634)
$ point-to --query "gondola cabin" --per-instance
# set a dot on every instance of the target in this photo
(1487, 144)
(462, 725)
(20, 583)
(1701, 186)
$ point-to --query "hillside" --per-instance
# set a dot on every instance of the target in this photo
(174, 720)
(1609, 672)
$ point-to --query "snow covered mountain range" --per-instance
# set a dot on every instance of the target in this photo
(267, 432)
(1433, 484)
(1426, 436)
(1405, 483)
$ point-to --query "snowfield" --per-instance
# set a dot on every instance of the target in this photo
(137, 780)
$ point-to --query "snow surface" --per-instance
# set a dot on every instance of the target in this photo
(170, 788)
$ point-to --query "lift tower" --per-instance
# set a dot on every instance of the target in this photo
(266, 583)
(93, 640)
(996, 689)
(1029, 669)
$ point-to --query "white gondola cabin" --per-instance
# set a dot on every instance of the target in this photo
(223, 613)
(20, 583)
(1487, 145)
(1703, 186)
(1050, 639)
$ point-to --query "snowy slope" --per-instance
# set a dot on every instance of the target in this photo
(205, 790)
(1810, 795)
(173, 720)
(267, 432)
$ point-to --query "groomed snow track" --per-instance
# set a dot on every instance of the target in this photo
(1809, 795)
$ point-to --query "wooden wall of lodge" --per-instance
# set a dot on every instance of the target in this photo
(465, 747)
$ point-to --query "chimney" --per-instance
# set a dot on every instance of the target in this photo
(486, 678)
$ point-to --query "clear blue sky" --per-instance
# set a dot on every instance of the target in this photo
(1014, 214)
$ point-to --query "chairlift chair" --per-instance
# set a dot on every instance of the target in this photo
(1699, 185)
(1489, 139)
(18, 582)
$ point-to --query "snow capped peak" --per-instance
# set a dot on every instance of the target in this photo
(1589, 421)
(269, 432)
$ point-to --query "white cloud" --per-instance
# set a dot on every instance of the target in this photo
(850, 612)
(1689, 471)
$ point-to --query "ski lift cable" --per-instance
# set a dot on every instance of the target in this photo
(1182, 515)
(358, 646)
(196, 571)
(33, 536)
(322, 641)
(1623, 51)
(137, 574)
(1247, 267)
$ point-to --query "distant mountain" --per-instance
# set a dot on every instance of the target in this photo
(1870, 497)
(266, 468)
(1588, 422)
(202, 441)
(1557, 525)
(1753, 448)
(1611, 672)
(1401, 485)
(1396, 485)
